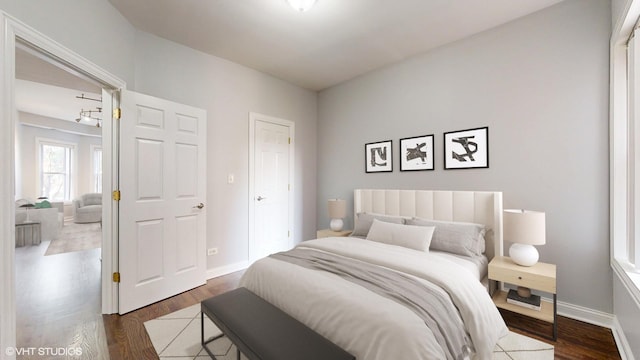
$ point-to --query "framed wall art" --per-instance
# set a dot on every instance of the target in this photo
(416, 153)
(466, 149)
(378, 157)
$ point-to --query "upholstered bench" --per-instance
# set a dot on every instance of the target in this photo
(260, 330)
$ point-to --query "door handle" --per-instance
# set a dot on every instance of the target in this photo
(199, 206)
(260, 198)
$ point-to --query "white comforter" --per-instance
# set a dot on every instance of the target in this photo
(366, 325)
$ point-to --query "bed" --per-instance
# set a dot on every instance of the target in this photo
(391, 294)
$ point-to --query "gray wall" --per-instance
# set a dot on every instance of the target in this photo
(91, 28)
(228, 92)
(540, 84)
(618, 8)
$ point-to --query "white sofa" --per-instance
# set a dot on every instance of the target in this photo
(87, 208)
(51, 220)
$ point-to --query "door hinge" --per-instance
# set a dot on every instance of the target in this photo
(289, 141)
(289, 187)
(116, 195)
(117, 113)
(116, 277)
(288, 233)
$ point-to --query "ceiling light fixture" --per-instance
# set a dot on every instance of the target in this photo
(302, 5)
(89, 115)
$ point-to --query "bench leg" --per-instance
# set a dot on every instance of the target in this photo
(204, 344)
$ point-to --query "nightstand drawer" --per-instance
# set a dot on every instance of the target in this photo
(540, 276)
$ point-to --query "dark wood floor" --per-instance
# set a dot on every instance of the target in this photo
(576, 339)
(127, 338)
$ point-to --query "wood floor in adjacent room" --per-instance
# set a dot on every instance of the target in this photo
(58, 304)
(127, 338)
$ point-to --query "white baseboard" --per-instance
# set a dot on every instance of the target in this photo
(227, 269)
(584, 314)
(621, 341)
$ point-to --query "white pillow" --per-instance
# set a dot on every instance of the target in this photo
(409, 236)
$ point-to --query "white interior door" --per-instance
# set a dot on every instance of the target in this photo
(162, 239)
(272, 162)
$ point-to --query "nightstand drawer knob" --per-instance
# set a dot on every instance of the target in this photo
(519, 277)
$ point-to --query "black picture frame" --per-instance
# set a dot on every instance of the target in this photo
(416, 153)
(466, 149)
(378, 156)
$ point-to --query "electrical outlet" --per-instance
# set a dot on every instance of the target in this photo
(212, 251)
(231, 178)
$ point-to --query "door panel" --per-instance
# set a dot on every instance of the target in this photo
(162, 242)
(187, 166)
(149, 163)
(187, 251)
(150, 242)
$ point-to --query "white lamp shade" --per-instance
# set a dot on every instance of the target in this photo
(301, 5)
(524, 227)
(337, 208)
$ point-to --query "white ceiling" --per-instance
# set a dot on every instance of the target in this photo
(55, 102)
(46, 88)
(333, 42)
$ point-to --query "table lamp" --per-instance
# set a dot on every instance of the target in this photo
(337, 211)
(524, 229)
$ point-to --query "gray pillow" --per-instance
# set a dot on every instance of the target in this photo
(364, 221)
(465, 239)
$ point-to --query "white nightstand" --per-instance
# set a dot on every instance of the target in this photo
(540, 276)
(329, 233)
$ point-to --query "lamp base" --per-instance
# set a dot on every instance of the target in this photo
(523, 254)
(524, 292)
(336, 224)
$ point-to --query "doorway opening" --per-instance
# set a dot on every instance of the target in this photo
(20, 38)
(58, 177)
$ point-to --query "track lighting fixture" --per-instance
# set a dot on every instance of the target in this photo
(90, 115)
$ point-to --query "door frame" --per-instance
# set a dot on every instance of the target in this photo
(13, 31)
(253, 119)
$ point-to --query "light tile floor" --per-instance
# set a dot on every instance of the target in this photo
(177, 336)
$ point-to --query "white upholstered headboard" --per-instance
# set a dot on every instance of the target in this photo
(478, 207)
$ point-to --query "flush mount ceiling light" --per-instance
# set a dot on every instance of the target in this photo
(302, 5)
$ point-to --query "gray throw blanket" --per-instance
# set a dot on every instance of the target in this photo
(427, 300)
